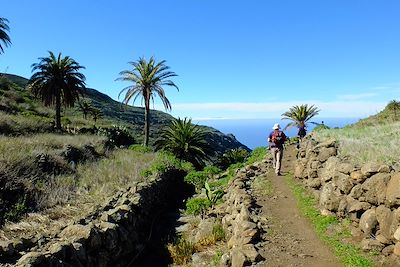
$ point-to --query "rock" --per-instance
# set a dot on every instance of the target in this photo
(388, 250)
(299, 171)
(328, 172)
(357, 176)
(238, 258)
(357, 191)
(393, 190)
(368, 221)
(329, 199)
(375, 188)
(345, 168)
(200, 259)
(370, 168)
(225, 260)
(357, 206)
(80, 251)
(314, 183)
(76, 233)
(204, 230)
(371, 244)
(396, 249)
(342, 182)
(326, 152)
(396, 234)
(328, 143)
(385, 220)
(382, 239)
(251, 253)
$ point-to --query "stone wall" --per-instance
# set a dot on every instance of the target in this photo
(368, 194)
(111, 236)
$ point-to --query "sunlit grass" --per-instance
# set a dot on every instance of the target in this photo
(377, 143)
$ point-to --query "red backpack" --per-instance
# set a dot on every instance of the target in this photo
(278, 138)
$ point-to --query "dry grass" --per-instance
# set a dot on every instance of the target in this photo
(377, 143)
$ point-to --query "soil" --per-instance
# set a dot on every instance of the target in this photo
(291, 239)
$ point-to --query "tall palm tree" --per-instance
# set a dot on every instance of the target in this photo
(4, 38)
(186, 141)
(300, 115)
(149, 78)
(56, 81)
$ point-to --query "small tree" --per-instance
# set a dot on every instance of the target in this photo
(96, 114)
(186, 141)
(85, 106)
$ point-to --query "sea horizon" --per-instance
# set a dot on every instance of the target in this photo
(253, 132)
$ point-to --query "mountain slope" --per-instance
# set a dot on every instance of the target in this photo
(132, 117)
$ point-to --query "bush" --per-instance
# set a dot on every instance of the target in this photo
(197, 206)
(257, 154)
(237, 155)
(181, 252)
(118, 136)
(140, 148)
(196, 178)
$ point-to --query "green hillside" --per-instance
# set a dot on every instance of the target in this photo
(16, 100)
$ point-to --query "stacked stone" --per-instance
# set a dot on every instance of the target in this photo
(112, 235)
(368, 194)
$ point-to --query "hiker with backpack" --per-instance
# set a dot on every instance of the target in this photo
(276, 140)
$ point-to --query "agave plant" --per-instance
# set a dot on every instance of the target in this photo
(300, 115)
(186, 141)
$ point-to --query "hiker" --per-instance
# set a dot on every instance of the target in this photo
(276, 140)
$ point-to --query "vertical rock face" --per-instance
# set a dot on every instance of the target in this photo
(369, 194)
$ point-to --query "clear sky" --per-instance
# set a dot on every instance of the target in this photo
(235, 59)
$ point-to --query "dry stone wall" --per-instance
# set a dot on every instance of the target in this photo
(111, 236)
(368, 194)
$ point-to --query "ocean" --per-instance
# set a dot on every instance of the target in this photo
(253, 132)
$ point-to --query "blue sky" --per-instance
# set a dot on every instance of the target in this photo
(235, 59)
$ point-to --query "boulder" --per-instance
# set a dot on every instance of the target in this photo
(357, 176)
(396, 249)
(329, 199)
(76, 233)
(251, 253)
(204, 230)
(343, 182)
(357, 191)
(388, 250)
(328, 172)
(368, 221)
(326, 152)
(346, 168)
(371, 168)
(328, 143)
(385, 219)
(314, 182)
(356, 205)
(393, 190)
(237, 257)
(299, 171)
(375, 188)
(371, 244)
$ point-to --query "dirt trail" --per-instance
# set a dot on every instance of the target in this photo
(291, 239)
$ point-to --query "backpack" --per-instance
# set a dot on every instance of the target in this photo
(278, 138)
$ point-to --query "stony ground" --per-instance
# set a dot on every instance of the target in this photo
(290, 239)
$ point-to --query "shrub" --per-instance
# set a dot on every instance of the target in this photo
(197, 206)
(181, 252)
(118, 136)
(257, 154)
(140, 148)
(196, 178)
(237, 155)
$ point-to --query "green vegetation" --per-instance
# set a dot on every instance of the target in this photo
(57, 81)
(4, 38)
(181, 252)
(197, 205)
(368, 143)
(186, 141)
(148, 79)
(263, 185)
(237, 155)
(348, 254)
(300, 115)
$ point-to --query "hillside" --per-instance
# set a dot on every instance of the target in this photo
(114, 113)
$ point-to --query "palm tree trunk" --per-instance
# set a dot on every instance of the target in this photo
(146, 121)
(58, 111)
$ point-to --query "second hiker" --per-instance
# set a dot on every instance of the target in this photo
(276, 140)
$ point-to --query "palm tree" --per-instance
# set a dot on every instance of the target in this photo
(148, 79)
(186, 141)
(96, 114)
(300, 115)
(4, 38)
(57, 81)
(85, 107)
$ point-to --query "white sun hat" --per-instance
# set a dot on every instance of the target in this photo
(276, 126)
